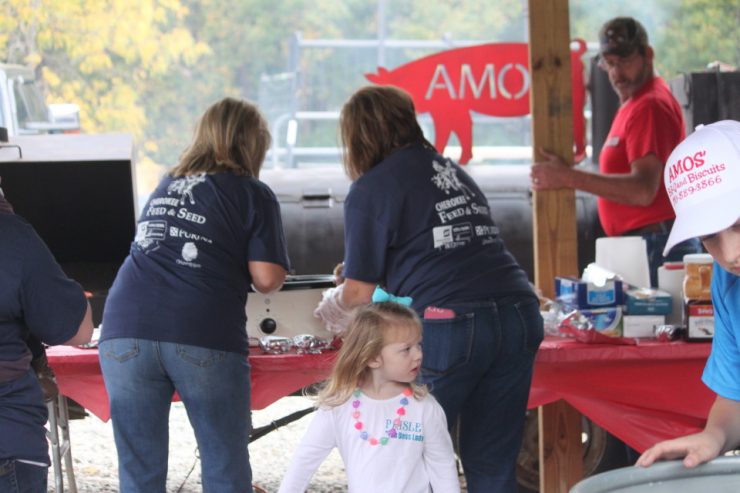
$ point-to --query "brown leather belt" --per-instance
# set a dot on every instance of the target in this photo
(661, 227)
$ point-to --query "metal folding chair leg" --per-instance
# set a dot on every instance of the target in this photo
(61, 447)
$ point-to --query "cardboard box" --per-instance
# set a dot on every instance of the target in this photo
(607, 321)
(581, 294)
(700, 321)
(641, 325)
(647, 301)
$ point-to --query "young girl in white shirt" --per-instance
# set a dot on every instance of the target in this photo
(392, 435)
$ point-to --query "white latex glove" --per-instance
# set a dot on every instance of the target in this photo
(332, 312)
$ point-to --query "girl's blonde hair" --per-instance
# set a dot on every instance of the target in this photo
(232, 135)
(372, 327)
(375, 122)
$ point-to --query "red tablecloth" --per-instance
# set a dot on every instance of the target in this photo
(641, 394)
(273, 376)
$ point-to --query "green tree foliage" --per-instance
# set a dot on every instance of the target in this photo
(686, 34)
(245, 40)
(502, 20)
(150, 67)
(101, 55)
(700, 32)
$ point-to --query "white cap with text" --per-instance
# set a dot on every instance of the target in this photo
(702, 178)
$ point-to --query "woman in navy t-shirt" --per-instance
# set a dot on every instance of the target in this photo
(418, 225)
(36, 299)
(174, 320)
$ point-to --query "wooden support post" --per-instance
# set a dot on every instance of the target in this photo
(555, 239)
(561, 452)
(555, 233)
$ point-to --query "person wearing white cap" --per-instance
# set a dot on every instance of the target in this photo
(703, 182)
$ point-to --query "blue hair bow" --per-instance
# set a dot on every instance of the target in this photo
(380, 295)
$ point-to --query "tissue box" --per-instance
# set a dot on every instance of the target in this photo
(607, 321)
(581, 294)
(645, 301)
(641, 325)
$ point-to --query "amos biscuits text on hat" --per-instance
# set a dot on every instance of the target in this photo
(702, 178)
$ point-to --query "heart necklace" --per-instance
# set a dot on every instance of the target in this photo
(392, 431)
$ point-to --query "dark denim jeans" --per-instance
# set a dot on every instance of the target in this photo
(479, 367)
(19, 477)
(141, 377)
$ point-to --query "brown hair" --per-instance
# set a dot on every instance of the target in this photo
(374, 122)
(373, 326)
(231, 135)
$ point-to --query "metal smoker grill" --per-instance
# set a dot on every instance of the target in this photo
(289, 311)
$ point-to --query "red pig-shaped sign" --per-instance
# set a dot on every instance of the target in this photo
(492, 79)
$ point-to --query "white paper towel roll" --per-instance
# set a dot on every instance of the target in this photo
(626, 256)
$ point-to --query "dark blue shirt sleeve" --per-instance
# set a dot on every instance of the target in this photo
(266, 237)
(366, 241)
(53, 305)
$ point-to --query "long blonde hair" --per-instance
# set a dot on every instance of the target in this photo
(372, 327)
(374, 122)
(232, 135)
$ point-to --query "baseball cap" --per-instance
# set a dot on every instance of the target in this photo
(622, 36)
(702, 178)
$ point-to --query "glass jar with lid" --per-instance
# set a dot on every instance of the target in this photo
(698, 278)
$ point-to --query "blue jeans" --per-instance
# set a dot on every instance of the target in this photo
(655, 245)
(479, 367)
(141, 377)
(19, 477)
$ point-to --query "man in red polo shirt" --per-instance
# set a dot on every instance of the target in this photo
(632, 199)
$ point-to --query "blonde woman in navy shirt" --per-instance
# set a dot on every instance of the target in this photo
(174, 319)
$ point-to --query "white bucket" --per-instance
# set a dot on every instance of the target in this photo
(626, 256)
(718, 476)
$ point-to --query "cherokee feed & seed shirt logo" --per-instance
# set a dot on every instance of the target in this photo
(149, 233)
(451, 235)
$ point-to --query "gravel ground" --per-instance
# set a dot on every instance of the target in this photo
(95, 465)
